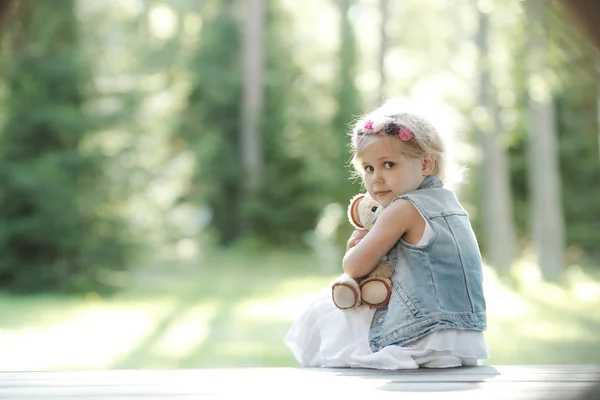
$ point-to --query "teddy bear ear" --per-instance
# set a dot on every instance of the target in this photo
(353, 215)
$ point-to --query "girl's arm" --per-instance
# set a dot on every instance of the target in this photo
(398, 219)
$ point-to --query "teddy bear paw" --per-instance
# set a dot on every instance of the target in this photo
(345, 297)
(376, 292)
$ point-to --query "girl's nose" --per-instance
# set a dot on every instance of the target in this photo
(377, 177)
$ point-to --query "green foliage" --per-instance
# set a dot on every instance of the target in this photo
(57, 229)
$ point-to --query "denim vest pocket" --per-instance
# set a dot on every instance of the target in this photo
(401, 293)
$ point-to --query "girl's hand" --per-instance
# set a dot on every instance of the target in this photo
(355, 238)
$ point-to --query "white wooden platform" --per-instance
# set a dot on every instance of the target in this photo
(482, 383)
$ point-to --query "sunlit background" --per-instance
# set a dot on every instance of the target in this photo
(174, 174)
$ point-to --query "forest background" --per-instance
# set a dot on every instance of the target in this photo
(174, 174)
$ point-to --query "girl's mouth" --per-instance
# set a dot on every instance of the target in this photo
(381, 193)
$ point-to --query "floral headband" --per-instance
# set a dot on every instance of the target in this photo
(386, 126)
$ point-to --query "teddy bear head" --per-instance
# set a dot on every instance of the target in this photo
(362, 211)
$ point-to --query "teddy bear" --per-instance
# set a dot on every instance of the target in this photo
(375, 288)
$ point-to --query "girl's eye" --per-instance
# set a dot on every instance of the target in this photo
(388, 164)
(369, 168)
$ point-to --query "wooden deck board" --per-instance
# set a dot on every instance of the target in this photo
(488, 382)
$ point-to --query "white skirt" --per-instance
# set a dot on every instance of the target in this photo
(324, 336)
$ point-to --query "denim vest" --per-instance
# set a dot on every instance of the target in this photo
(436, 286)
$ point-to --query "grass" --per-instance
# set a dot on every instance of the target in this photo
(233, 309)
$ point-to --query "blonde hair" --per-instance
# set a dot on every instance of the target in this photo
(421, 139)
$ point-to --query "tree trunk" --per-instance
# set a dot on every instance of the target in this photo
(495, 178)
(598, 102)
(383, 46)
(250, 140)
(6, 8)
(546, 205)
(586, 12)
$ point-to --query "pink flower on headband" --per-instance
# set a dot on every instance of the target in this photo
(405, 134)
(368, 125)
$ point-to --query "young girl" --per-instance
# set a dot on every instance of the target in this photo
(436, 313)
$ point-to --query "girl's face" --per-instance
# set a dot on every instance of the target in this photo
(387, 173)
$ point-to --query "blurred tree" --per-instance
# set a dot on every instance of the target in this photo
(138, 54)
(58, 229)
(348, 101)
(571, 71)
(282, 208)
(211, 122)
(347, 98)
(574, 62)
(578, 147)
(286, 204)
(497, 213)
(546, 205)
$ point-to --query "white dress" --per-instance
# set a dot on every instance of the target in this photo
(324, 336)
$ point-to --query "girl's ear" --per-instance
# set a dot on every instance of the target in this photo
(428, 165)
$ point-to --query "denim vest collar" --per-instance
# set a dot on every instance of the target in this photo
(431, 182)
